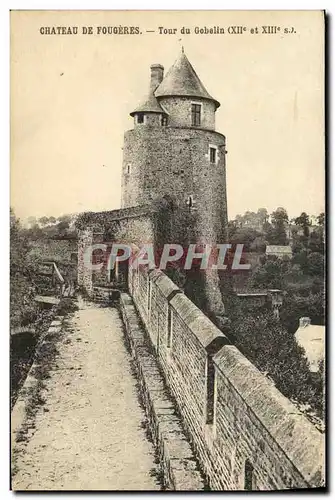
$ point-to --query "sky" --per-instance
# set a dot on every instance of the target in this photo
(71, 96)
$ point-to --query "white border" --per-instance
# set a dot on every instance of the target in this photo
(4, 48)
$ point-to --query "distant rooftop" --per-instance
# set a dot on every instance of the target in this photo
(278, 249)
(312, 339)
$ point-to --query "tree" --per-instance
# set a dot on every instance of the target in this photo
(273, 350)
(279, 220)
(315, 264)
(258, 245)
(22, 273)
(244, 235)
(321, 219)
(301, 258)
(316, 241)
(296, 306)
(304, 222)
(43, 221)
(262, 215)
(271, 274)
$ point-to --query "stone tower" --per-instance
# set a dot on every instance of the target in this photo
(174, 151)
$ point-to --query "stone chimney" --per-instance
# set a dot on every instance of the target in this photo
(303, 322)
(157, 75)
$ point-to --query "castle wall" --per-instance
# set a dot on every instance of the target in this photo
(85, 239)
(179, 110)
(252, 420)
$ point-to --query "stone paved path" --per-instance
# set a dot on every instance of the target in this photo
(89, 434)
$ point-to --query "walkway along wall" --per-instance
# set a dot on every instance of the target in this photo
(246, 434)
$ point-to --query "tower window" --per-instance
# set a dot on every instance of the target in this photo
(190, 202)
(248, 476)
(164, 121)
(212, 155)
(196, 115)
(128, 169)
(140, 118)
(210, 390)
(169, 327)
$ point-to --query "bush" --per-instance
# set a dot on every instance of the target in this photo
(274, 350)
(67, 305)
(297, 306)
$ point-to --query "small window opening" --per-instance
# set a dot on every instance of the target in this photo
(128, 169)
(140, 118)
(190, 202)
(164, 121)
(196, 115)
(248, 475)
(149, 296)
(169, 327)
(212, 155)
(210, 390)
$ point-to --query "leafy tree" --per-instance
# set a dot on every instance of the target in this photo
(304, 222)
(315, 263)
(262, 215)
(279, 220)
(301, 258)
(22, 272)
(271, 274)
(321, 219)
(244, 235)
(296, 306)
(43, 221)
(258, 245)
(316, 241)
(274, 351)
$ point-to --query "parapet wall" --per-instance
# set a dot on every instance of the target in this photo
(246, 434)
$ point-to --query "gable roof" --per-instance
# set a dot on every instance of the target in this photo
(182, 80)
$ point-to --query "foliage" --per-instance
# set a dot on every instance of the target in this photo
(268, 343)
(51, 227)
(304, 222)
(296, 306)
(275, 351)
(321, 219)
(279, 221)
(22, 272)
(315, 263)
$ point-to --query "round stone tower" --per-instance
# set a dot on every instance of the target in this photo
(174, 151)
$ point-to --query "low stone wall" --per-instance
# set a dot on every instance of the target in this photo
(30, 387)
(247, 435)
(180, 470)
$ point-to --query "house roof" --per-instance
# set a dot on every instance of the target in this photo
(312, 339)
(182, 80)
(278, 249)
(149, 105)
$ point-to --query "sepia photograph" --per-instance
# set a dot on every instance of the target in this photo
(167, 250)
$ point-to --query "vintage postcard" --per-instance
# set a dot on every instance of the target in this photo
(167, 258)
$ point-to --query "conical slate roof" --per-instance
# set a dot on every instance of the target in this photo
(149, 105)
(182, 80)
